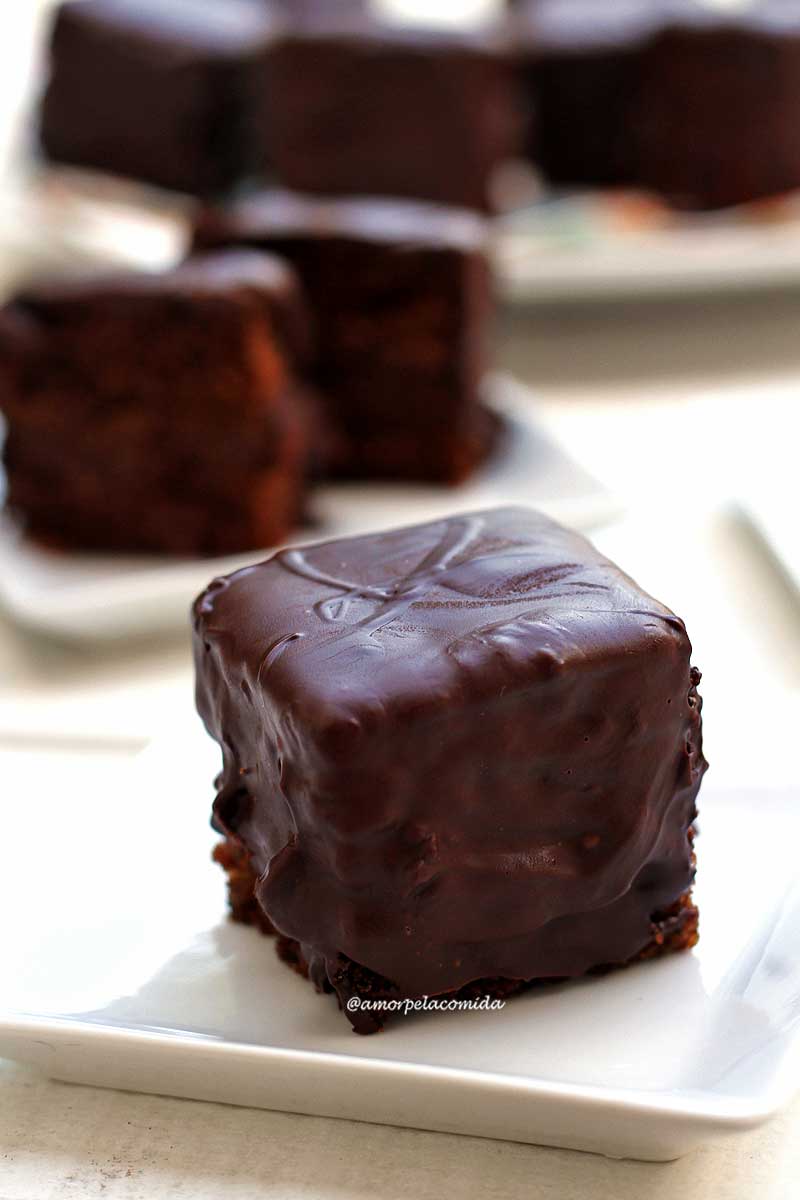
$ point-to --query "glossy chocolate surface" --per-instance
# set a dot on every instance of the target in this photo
(464, 750)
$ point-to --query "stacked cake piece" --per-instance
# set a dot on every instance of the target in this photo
(458, 759)
(184, 412)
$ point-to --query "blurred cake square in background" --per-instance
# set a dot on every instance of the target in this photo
(158, 412)
(400, 297)
(392, 111)
(695, 100)
(164, 93)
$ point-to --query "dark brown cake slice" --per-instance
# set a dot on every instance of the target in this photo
(693, 101)
(461, 757)
(400, 296)
(165, 91)
(580, 64)
(716, 122)
(360, 108)
(158, 412)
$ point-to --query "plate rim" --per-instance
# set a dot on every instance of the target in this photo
(88, 611)
(709, 1110)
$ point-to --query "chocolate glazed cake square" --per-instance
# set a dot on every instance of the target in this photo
(459, 757)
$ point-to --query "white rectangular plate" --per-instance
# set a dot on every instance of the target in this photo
(601, 246)
(559, 247)
(122, 971)
(96, 596)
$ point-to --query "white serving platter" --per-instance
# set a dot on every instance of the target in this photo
(121, 970)
(579, 247)
(95, 597)
(602, 246)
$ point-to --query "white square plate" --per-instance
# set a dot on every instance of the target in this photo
(123, 971)
(93, 597)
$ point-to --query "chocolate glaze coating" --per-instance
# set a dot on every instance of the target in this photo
(464, 750)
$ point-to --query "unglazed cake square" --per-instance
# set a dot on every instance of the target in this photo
(400, 296)
(459, 758)
(157, 412)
